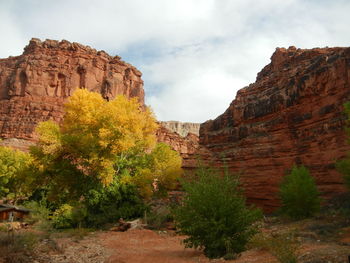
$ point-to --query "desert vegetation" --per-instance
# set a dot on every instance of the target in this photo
(103, 164)
(299, 194)
(214, 215)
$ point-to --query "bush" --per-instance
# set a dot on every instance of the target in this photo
(107, 205)
(214, 214)
(39, 215)
(282, 245)
(38, 212)
(158, 218)
(343, 166)
(299, 194)
(63, 217)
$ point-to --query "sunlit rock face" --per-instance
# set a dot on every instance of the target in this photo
(292, 114)
(34, 85)
(187, 146)
(182, 128)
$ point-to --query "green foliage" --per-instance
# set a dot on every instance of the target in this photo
(108, 204)
(157, 218)
(63, 217)
(165, 164)
(343, 166)
(98, 165)
(299, 194)
(283, 245)
(81, 153)
(141, 169)
(214, 215)
(38, 212)
(14, 179)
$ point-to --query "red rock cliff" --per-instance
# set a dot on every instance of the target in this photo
(292, 114)
(188, 147)
(34, 85)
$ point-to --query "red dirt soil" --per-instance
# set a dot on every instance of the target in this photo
(146, 246)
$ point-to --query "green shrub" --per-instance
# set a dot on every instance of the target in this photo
(39, 215)
(158, 218)
(63, 217)
(343, 166)
(107, 205)
(282, 245)
(299, 194)
(38, 212)
(214, 215)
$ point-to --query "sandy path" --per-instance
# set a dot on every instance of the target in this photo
(146, 246)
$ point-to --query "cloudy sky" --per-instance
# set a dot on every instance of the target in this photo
(194, 54)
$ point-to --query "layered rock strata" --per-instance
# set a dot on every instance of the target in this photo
(34, 85)
(188, 147)
(181, 128)
(292, 114)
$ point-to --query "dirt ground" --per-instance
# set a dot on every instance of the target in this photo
(147, 246)
(321, 242)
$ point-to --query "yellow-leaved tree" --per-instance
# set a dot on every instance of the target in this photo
(98, 143)
(15, 179)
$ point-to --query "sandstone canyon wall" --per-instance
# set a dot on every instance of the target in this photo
(292, 114)
(188, 147)
(34, 85)
(181, 128)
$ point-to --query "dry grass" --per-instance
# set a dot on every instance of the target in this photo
(17, 247)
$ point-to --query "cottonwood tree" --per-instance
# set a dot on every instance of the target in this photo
(98, 143)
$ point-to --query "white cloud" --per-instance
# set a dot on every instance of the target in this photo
(195, 54)
(12, 40)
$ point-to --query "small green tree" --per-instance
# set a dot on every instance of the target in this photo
(108, 204)
(14, 176)
(299, 194)
(214, 215)
(343, 166)
(98, 144)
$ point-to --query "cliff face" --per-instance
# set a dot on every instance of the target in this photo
(181, 128)
(292, 114)
(188, 147)
(34, 85)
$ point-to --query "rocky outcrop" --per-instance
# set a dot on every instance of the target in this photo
(181, 128)
(34, 85)
(188, 147)
(292, 114)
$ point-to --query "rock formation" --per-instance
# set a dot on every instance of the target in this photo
(34, 85)
(292, 114)
(188, 147)
(181, 128)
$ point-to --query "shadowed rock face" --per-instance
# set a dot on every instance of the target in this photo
(34, 85)
(292, 114)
